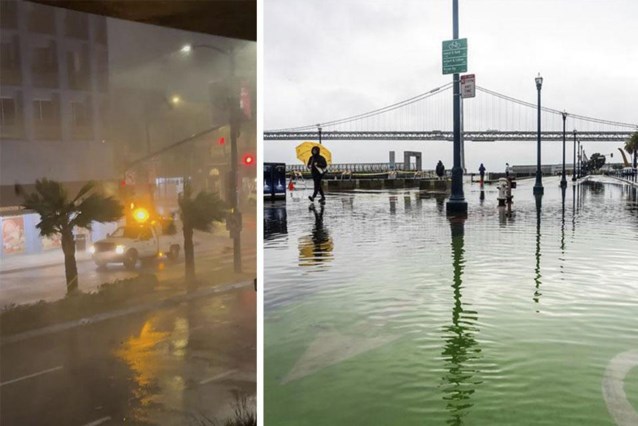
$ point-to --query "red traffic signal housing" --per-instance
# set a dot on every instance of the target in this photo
(248, 160)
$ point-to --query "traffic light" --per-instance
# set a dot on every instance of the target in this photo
(248, 160)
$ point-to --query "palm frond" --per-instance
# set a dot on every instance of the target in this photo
(200, 212)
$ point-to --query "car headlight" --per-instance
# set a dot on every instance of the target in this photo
(119, 249)
(92, 249)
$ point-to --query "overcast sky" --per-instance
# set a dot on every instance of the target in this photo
(328, 59)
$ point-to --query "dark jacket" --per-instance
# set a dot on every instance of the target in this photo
(482, 169)
(440, 169)
(317, 161)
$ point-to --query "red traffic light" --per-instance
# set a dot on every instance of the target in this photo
(248, 160)
(221, 141)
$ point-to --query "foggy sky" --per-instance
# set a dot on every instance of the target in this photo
(328, 59)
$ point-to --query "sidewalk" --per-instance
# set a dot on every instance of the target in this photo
(24, 262)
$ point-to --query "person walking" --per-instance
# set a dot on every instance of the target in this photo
(440, 170)
(482, 173)
(317, 165)
(507, 170)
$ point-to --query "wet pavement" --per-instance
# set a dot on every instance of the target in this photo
(47, 282)
(177, 365)
(379, 309)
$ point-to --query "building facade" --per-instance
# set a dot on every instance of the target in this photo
(53, 95)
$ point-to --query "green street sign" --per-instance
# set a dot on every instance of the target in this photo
(455, 56)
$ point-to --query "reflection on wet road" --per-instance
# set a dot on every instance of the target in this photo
(176, 365)
(383, 309)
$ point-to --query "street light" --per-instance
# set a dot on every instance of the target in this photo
(456, 205)
(233, 119)
(563, 181)
(574, 163)
(538, 186)
(580, 155)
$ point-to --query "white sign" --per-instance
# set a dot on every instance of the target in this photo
(468, 88)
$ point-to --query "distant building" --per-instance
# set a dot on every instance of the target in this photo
(53, 93)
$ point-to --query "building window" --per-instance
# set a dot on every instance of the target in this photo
(80, 113)
(44, 110)
(78, 69)
(41, 18)
(77, 25)
(8, 112)
(8, 14)
(45, 66)
(44, 58)
(9, 54)
(100, 29)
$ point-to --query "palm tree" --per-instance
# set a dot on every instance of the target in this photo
(59, 215)
(197, 213)
(631, 146)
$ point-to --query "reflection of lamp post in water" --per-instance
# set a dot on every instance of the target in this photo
(574, 163)
(461, 348)
(232, 105)
(537, 269)
(563, 181)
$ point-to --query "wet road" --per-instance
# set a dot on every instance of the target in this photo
(175, 365)
(48, 282)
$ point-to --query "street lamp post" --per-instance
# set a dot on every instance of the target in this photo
(574, 163)
(456, 204)
(563, 181)
(580, 155)
(233, 120)
(538, 186)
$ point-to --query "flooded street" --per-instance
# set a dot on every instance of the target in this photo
(381, 310)
(178, 365)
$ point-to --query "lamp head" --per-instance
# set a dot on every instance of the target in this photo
(539, 81)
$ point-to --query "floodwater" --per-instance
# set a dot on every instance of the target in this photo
(381, 310)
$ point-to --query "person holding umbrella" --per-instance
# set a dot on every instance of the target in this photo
(317, 165)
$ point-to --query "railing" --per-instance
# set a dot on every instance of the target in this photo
(357, 167)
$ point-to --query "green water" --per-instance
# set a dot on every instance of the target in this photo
(380, 310)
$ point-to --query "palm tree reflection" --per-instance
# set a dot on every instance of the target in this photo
(316, 248)
(461, 349)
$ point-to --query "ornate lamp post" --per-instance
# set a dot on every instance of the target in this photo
(538, 186)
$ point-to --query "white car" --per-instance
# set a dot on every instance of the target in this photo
(128, 244)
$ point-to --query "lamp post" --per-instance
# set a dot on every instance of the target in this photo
(563, 181)
(456, 204)
(574, 163)
(538, 186)
(233, 120)
(580, 155)
(319, 129)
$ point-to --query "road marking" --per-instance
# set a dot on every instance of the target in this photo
(19, 379)
(613, 388)
(99, 421)
(217, 377)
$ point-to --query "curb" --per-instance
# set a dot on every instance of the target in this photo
(170, 301)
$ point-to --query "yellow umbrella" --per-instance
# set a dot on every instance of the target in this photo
(304, 151)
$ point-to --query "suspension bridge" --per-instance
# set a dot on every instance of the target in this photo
(491, 116)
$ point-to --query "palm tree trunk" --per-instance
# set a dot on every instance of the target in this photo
(70, 267)
(189, 254)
